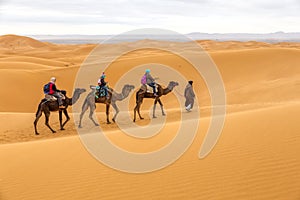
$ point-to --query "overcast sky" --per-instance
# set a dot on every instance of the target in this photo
(116, 16)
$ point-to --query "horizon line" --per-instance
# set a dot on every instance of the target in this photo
(227, 33)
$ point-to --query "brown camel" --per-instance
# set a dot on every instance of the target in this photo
(47, 106)
(91, 100)
(142, 93)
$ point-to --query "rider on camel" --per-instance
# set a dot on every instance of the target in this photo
(52, 90)
(149, 81)
(102, 86)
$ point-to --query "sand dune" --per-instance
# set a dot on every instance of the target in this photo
(230, 45)
(255, 158)
(22, 66)
(17, 42)
(35, 60)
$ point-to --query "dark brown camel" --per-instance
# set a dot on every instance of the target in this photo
(91, 100)
(47, 106)
(142, 93)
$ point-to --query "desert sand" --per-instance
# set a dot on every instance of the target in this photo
(256, 157)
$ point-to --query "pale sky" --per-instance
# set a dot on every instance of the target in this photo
(94, 17)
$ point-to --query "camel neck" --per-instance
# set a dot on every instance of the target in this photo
(125, 93)
(74, 98)
(166, 91)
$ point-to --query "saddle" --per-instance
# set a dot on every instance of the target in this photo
(49, 97)
(146, 88)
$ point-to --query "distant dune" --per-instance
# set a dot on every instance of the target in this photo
(17, 42)
(257, 156)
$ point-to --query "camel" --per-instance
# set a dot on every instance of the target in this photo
(91, 100)
(142, 93)
(46, 106)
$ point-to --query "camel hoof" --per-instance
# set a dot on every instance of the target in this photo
(113, 120)
(79, 126)
(53, 132)
(164, 114)
(108, 122)
(154, 117)
(96, 124)
(36, 133)
(62, 129)
(142, 118)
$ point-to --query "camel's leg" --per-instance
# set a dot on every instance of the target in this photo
(60, 119)
(162, 107)
(38, 115)
(139, 102)
(107, 113)
(47, 114)
(67, 119)
(134, 112)
(138, 110)
(154, 107)
(92, 109)
(114, 105)
(85, 107)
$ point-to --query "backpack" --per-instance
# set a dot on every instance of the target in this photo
(46, 88)
(144, 79)
(102, 92)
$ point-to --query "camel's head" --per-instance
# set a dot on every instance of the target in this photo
(172, 84)
(76, 95)
(80, 90)
(129, 87)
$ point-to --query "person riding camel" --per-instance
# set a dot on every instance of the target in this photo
(102, 86)
(150, 81)
(51, 89)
